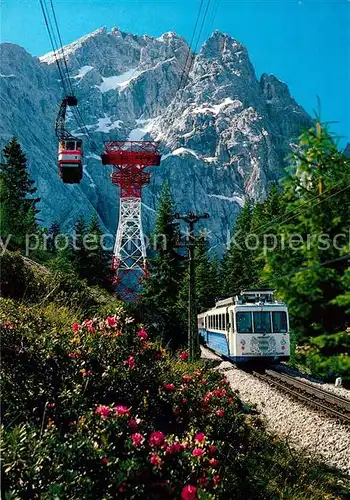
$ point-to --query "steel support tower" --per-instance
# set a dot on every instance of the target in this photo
(129, 160)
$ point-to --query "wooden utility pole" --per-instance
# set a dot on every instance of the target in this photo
(191, 241)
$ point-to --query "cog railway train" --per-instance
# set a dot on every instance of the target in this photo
(251, 327)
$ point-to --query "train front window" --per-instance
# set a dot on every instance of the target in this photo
(244, 322)
(279, 322)
(262, 322)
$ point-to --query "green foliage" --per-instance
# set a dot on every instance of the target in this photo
(303, 251)
(238, 262)
(207, 280)
(98, 410)
(18, 209)
(28, 281)
(161, 290)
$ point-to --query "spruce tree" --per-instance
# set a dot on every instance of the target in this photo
(161, 290)
(52, 237)
(98, 259)
(78, 250)
(18, 207)
(308, 272)
(238, 264)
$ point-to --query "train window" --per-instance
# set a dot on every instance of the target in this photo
(219, 322)
(216, 322)
(223, 321)
(279, 322)
(262, 322)
(244, 322)
(227, 320)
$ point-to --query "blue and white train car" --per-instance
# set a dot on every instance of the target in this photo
(250, 327)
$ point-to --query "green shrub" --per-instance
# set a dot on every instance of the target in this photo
(99, 410)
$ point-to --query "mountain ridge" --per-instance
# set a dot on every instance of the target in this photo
(224, 135)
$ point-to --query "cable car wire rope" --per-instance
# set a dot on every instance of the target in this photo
(190, 45)
(192, 57)
(53, 46)
(61, 48)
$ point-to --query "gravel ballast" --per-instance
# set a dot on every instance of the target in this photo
(302, 426)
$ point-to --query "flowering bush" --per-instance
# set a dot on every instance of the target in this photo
(100, 410)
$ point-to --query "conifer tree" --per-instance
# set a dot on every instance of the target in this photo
(166, 267)
(98, 259)
(78, 250)
(161, 290)
(238, 265)
(18, 207)
(316, 201)
(52, 237)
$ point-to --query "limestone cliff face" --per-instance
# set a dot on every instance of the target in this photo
(224, 135)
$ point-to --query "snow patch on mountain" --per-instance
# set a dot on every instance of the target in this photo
(216, 108)
(105, 124)
(139, 132)
(92, 183)
(235, 198)
(118, 81)
(68, 50)
(83, 71)
(184, 151)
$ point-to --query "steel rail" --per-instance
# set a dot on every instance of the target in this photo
(335, 406)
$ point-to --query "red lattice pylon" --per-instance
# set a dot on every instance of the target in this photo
(129, 160)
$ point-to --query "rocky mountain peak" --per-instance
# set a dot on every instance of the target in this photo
(223, 134)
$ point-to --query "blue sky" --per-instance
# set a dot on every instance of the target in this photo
(304, 43)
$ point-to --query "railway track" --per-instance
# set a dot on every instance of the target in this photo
(324, 401)
(331, 404)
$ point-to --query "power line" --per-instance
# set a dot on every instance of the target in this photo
(299, 212)
(303, 211)
(302, 269)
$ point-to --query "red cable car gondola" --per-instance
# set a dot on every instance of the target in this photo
(70, 149)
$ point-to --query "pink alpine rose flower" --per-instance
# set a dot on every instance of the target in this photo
(216, 480)
(89, 325)
(133, 423)
(199, 437)
(183, 355)
(220, 412)
(76, 327)
(156, 438)
(156, 460)
(198, 452)
(130, 362)
(142, 334)
(173, 448)
(214, 462)
(169, 387)
(189, 492)
(112, 321)
(121, 410)
(186, 378)
(103, 411)
(212, 449)
(137, 439)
